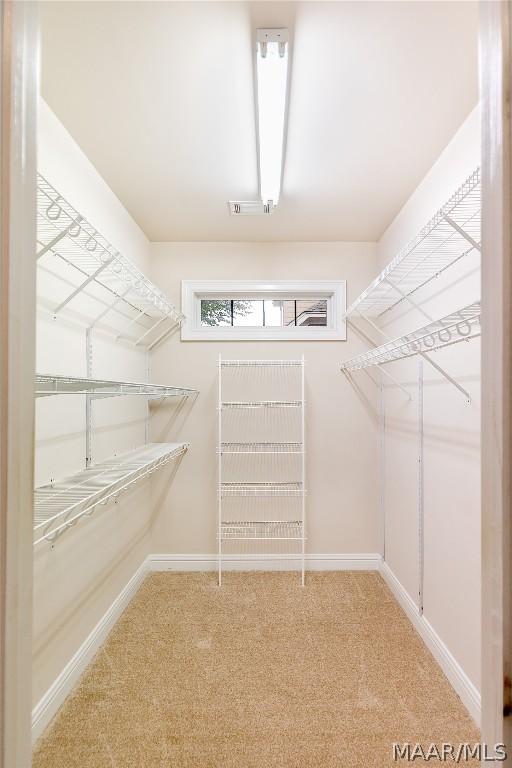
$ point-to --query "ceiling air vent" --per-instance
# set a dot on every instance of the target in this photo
(250, 207)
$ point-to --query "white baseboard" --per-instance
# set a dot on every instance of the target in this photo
(469, 694)
(48, 706)
(250, 562)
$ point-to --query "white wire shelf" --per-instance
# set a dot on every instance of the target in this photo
(260, 363)
(60, 505)
(71, 385)
(63, 231)
(262, 404)
(278, 530)
(266, 448)
(451, 234)
(462, 325)
(293, 488)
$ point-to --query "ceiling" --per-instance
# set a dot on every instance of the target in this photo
(159, 95)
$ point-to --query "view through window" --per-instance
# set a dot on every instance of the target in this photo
(259, 313)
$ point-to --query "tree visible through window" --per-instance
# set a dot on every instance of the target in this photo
(223, 311)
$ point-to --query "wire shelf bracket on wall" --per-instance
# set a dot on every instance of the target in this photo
(59, 506)
(452, 234)
(47, 385)
(459, 326)
(64, 232)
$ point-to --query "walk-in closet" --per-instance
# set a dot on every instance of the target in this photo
(257, 243)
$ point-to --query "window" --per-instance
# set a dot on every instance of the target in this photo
(254, 310)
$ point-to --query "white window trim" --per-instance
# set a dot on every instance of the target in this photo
(192, 291)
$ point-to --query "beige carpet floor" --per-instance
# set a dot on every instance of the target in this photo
(258, 673)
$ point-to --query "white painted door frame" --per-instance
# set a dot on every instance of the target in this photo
(495, 39)
(18, 94)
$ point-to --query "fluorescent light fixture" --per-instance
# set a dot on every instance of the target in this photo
(272, 77)
(250, 207)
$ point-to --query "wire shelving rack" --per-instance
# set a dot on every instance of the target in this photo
(260, 363)
(262, 404)
(264, 448)
(60, 505)
(65, 233)
(47, 385)
(452, 234)
(278, 530)
(293, 488)
(262, 527)
(462, 325)
(120, 298)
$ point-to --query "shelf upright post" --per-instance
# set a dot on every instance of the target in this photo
(88, 400)
(382, 499)
(219, 474)
(146, 420)
(303, 439)
(420, 488)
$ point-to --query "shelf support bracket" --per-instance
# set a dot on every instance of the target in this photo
(163, 335)
(58, 238)
(381, 368)
(150, 330)
(110, 306)
(463, 233)
(121, 334)
(389, 376)
(81, 287)
(424, 355)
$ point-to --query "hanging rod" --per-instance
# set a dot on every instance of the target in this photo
(47, 385)
(59, 506)
(65, 233)
(452, 234)
(461, 325)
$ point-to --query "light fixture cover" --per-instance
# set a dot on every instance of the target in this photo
(272, 84)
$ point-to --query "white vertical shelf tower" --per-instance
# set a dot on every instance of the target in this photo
(261, 456)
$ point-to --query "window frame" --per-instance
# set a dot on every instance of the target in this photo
(192, 291)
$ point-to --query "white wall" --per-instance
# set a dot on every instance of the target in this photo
(342, 445)
(452, 430)
(78, 579)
